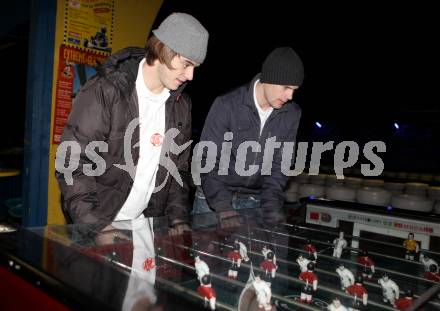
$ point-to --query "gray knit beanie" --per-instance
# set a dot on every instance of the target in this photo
(184, 35)
(283, 67)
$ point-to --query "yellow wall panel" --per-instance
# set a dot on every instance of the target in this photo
(132, 24)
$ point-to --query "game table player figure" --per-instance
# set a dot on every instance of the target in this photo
(367, 264)
(302, 262)
(263, 293)
(357, 305)
(358, 291)
(411, 246)
(201, 267)
(207, 291)
(243, 250)
(235, 258)
(404, 302)
(336, 305)
(311, 250)
(338, 245)
(432, 274)
(265, 250)
(390, 290)
(269, 266)
(310, 285)
(427, 261)
(345, 275)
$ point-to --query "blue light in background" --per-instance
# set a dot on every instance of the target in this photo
(389, 208)
(318, 124)
(396, 126)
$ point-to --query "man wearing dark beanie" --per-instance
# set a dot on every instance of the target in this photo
(254, 112)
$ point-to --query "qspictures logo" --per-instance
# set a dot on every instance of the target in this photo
(223, 159)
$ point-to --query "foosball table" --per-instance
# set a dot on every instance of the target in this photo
(316, 259)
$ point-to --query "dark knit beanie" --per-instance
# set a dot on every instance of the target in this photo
(283, 67)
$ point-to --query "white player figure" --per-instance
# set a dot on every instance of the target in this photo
(427, 261)
(302, 262)
(338, 245)
(243, 251)
(207, 291)
(201, 267)
(336, 305)
(263, 293)
(390, 290)
(345, 275)
(266, 250)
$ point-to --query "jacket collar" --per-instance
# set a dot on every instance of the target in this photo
(122, 67)
(250, 98)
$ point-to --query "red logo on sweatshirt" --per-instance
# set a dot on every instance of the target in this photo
(156, 139)
(149, 264)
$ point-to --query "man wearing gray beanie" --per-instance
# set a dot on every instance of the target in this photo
(255, 112)
(133, 100)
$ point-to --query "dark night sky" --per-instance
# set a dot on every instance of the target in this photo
(367, 65)
(360, 60)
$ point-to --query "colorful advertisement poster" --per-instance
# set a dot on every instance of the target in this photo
(75, 67)
(89, 24)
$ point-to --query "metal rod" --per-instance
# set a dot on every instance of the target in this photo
(181, 289)
(370, 284)
(424, 298)
(235, 282)
(348, 247)
(289, 278)
(360, 239)
(354, 249)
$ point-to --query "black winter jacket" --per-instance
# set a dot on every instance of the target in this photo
(236, 112)
(101, 111)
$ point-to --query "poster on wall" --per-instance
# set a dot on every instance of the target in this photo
(75, 67)
(89, 24)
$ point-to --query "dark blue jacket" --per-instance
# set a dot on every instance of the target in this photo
(236, 112)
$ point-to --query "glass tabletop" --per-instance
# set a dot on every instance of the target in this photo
(136, 264)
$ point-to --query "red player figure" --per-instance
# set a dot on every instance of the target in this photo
(207, 292)
(357, 305)
(311, 250)
(235, 258)
(358, 290)
(367, 263)
(405, 302)
(269, 266)
(266, 250)
(432, 274)
(310, 283)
